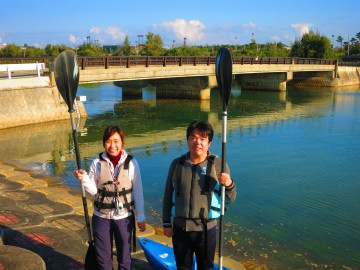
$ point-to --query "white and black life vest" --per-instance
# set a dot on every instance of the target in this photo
(111, 194)
(197, 190)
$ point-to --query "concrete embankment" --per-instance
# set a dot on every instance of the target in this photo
(32, 100)
(42, 226)
(346, 76)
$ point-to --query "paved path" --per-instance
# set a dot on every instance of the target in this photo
(23, 82)
(43, 227)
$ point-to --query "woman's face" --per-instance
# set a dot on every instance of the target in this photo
(113, 145)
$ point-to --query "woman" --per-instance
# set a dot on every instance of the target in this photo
(114, 181)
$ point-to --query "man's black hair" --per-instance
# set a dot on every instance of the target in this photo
(204, 128)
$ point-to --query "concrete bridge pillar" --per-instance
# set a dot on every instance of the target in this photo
(131, 92)
(132, 89)
(289, 75)
(263, 81)
(186, 87)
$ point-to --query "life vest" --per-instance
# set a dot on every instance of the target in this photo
(197, 190)
(112, 195)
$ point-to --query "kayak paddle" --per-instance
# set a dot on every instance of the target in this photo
(67, 81)
(223, 71)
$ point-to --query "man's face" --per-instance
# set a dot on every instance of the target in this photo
(198, 145)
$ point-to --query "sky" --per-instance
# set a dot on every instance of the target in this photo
(108, 22)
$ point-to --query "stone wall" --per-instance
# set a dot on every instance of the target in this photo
(24, 102)
(346, 76)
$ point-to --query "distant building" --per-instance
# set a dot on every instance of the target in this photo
(110, 48)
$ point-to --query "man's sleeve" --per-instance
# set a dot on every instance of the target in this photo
(168, 193)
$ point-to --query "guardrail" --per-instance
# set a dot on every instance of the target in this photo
(9, 68)
(147, 61)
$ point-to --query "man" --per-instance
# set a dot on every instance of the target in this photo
(192, 199)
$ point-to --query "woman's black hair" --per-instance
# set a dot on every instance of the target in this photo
(111, 130)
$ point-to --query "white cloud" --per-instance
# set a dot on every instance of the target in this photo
(249, 25)
(276, 38)
(103, 33)
(191, 30)
(73, 39)
(302, 28)
(115, 33)
(95, 30)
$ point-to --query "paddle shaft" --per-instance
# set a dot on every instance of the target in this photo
(223, 164)
(78, 162)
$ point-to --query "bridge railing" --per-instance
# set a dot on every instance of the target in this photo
(350, 64)
(148, 61)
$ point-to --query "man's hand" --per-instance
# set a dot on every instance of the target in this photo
(142, 226)
(225, 179)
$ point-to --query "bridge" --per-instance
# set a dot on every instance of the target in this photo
(192, 76)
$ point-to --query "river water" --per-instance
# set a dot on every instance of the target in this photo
(294, 157)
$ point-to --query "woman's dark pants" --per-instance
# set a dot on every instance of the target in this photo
(104, 230)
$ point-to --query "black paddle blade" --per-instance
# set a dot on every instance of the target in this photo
(90, 258)
(67, 76)
(223, 71)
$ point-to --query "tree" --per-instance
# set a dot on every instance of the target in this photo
(312, 45)
(11, 50)
(126, 48)
(55, 50)
(340, 39)
(297, 49)
(153, 45)
(89, 49)
(358, 36)
(274, 50)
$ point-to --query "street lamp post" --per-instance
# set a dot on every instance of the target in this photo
(348, 44)
(255, 41)
(141, 41)
(24, 50)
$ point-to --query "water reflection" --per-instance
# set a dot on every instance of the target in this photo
(49, 144)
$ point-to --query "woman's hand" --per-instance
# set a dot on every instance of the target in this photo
(80, 174)
(141, 226)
